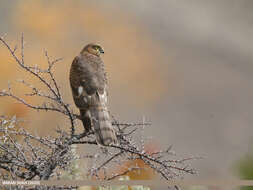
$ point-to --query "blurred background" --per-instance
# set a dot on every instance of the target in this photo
(184, 65)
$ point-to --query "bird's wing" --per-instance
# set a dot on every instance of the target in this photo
(86, 78)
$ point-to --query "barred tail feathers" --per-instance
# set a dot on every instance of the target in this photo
(101, 122)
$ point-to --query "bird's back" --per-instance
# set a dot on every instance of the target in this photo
(88, 72)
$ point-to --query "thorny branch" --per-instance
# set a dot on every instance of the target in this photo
(27, 156)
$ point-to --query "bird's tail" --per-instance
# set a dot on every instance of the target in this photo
(105, 134)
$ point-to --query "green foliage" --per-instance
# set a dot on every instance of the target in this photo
(244, 169)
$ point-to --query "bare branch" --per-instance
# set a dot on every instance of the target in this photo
(27, 156)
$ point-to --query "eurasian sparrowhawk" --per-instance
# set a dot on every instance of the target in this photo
(89, 89)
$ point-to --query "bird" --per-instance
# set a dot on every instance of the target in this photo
(88, 81)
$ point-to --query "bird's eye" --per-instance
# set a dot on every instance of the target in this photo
(95, 48)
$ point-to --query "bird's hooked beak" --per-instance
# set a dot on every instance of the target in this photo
(101, 50)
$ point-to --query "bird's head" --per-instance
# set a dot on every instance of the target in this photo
(94, 49)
